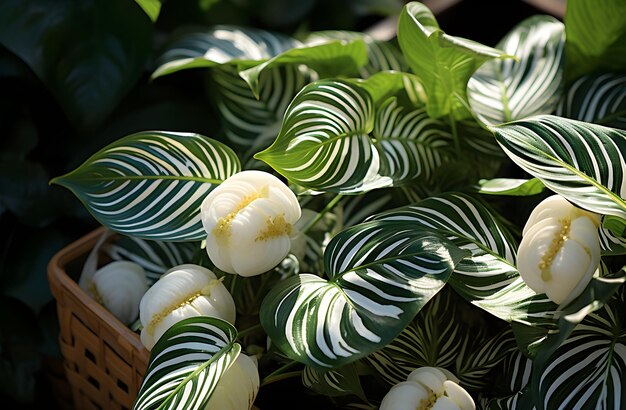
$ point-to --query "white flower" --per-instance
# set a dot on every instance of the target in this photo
(119, 286)
(238, 386)
(183, 291)
(560, 249)
(428, 388)
(248, 219)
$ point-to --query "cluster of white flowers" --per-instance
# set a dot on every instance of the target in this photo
(249, 220)
(560, 249)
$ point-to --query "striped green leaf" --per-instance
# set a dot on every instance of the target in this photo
(381, 55)
(581, 161)
(597, 98)
(151, 184)
(224, 44)
(505, 90)
(380, 275)
(443, 63)
(514, 381)
(596, 37)
(410, 143)
(587, 370)
(156, 257)
(489, 277)
(324, 141)
(187, 363)
(328, 59)
(334, 383)
(252, 123)
(511, 187)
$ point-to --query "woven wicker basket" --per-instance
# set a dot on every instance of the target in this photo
(104, 360)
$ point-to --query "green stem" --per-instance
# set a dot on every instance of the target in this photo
(278, 374)
(333, 202)
(455, 136)
(249, 330)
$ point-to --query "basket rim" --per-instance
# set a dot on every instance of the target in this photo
(58, 276)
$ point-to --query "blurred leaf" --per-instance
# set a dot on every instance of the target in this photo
(595, 34)
(151, 7)
(89, 53)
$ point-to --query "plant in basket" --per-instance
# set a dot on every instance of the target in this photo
(421, 223)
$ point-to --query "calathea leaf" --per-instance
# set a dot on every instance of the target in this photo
(151, 184)
(410, 143)
(586, 371)
(505, 90)
(186, 364)
(511, 187)
(380, 275)
(581, 161)
(597, 98)
(221, 45)
(338, 382)
(250, 122)
(381, 55)
(511, 390)
(324, 141)
(443, 63)
(488, 278)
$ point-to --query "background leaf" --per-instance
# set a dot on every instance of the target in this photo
(88, 77)
(151, 184)
(596, 37)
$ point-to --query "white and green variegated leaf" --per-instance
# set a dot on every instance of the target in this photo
(250, 122)
(443, 63)
(357, 208)
(597, 98)
(411, 144)
(221, 45)
(513, 381)
(586, 370)
(505, 90)
(156, 257)
(186, 364)
(381, 55)
(151, 184)
(333, 383)
(380, 274)
(581, 161)
(489, 277)
(426, 341)
(329, 59)
(324, 142)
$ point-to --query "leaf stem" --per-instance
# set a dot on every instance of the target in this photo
(278, 374)
(331, 204)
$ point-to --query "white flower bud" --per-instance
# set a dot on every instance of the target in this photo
(428, 388)
(238, 386)
(560, 249)
(184, 291)
(248, 219)
(119, 286)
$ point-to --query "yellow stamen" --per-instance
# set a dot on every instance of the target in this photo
(274, 227)
(554, 248)
(222, 229)
(428, 403)
(169, 309)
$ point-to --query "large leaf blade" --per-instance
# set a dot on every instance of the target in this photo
(187, 363)
(151, 184)
(324, 142)
(443, 63)
(505, 90)
(380, 275)
(583, 162)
